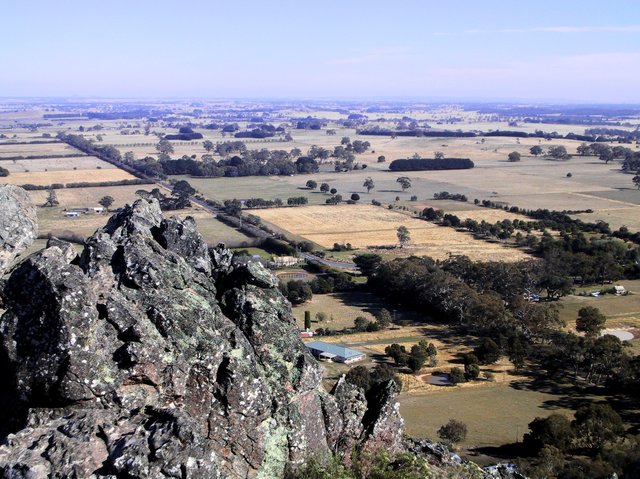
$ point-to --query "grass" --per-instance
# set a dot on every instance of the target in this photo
(495, 413)
(365, 226)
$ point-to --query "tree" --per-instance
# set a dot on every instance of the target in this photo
(297, 292)
(404, 237)
(360, 324)
(415, 362)
(324, 187)
(333, 191)
(106, 201)
(558, 152)
(367, 263)
(536, 150)
(456, 376)
(488, 352)
(453, 432)
(368, 184)
(514, 156)
(359, 376)
(383, 318)
(590, 321)
(405, 182)
(438, 155)
(307, 320)
(355, 197)
(554, 430)
(183, 189)
(321, 316)
(597, 424)
(636, 180)
(208, 145)
(52, 199)
(312, 185)
(3, 172)
(164, 146)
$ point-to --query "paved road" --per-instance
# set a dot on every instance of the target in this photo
(328, 262)
(309, 257)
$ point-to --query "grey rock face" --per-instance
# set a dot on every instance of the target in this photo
(18, 224)
(150, 356)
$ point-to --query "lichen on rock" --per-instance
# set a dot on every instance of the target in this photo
(151, 355)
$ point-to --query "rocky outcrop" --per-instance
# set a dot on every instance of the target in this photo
(151, 356)
(18, 224)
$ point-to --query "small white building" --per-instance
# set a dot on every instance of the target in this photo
(98, 209)
(619, 290)
(72, 214)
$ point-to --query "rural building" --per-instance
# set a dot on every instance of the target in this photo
(98, 209)
(285, 261)
(334, 352)
(306, 334)
(72, 214)
(619, 290)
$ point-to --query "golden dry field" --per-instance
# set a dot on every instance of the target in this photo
(49, 149)
(65, 176)
(365, 226)
(56, 164)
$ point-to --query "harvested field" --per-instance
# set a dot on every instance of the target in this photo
(66, 176)
(56, 164)
(8, 149)
(367, 226)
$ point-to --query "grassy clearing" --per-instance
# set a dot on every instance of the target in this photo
(495, 413)
(345, 308)
(367, 226)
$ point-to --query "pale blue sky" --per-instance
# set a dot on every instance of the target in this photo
(491, 49)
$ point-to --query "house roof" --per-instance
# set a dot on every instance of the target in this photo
(337, 349)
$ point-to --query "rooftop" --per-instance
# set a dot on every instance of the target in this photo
(336, 349)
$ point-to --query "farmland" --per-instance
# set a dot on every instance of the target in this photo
(497, 412)
(366, 226)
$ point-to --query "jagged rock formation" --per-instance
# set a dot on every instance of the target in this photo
(151, 356)
(18, 224)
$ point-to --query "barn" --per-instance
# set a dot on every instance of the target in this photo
(334, 352)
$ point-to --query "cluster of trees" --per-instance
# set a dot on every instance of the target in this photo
(86, 184)
(4, 172)
(591, 445)
(418, 132)
(251, 163)
(415, 359)
(185, 133)
(415, 164)
(445, 195)
(309, 123)
(605, 152)
(262, 131)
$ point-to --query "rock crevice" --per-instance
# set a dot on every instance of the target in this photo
(151, 355)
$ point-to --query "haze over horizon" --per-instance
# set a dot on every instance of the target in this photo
(565, 52)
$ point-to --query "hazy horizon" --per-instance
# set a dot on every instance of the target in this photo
(550, 52)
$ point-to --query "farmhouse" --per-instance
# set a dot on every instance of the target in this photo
(334, 352)
(72, 214)
(285, 261)
(619, 290)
